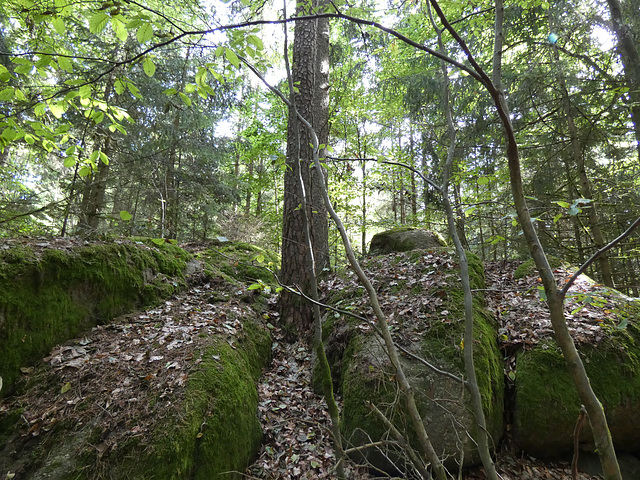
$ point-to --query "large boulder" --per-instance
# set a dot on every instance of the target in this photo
(424, 300)
(547, 405)
(168, 393)
(404, 239)
(51, 291)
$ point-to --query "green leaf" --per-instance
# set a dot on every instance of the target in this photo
(56, 110)
(70, 162)
(116, 126)
(201, 76)
(119, 86)
(135, 23)
(231, 57)
(30, 139)
(126, 216)
(7, 94)
(557, 217)
(39, 109)
(103, 158)
(260, 258)
(58, 25)
(8, 134)
(66, 387)
(190, 88)
(219, 51)
(186, 100)
(483, 180)
(255, 40)
(254, 286)
(562, 204)
(5, 76)
(65, 64)
(97, 117)
(170, 91)
(542, 293)
(24, 69)
(119, 29)
(94, 156)
(158, 241)
(148, 67)
(144, 33)
(98, 21)
(85, 91)
(134, 90)
(84, 171)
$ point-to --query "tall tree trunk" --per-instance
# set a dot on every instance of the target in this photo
(578, 159)
(93, 195)
(555, 297)
(311, 77)
(247, 204)
(631, 62)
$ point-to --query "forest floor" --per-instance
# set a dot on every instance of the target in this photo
(113, 369)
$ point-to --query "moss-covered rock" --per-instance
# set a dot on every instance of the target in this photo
(403, 239)
(211, 430)
(547, 405)
(216, 429)
(528, 267)
(49, 295)
(242, 262)
(443, 403)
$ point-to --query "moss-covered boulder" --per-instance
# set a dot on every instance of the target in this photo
(404, 239)
(528, 267)
(424, 301)
(167, 394)
(547, 405)
(242, 261)
(51, 292)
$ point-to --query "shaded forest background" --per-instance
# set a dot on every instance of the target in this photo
(123, 118)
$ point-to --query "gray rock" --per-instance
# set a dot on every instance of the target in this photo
(403, 240)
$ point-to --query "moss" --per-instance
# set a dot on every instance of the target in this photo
(542, 379)
(217, 429)
(55, 295)
(528, 267)
(238, 261)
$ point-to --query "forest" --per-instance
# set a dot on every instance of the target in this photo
(509, 129)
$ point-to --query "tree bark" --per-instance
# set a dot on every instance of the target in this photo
(631, 62)
(311, 78)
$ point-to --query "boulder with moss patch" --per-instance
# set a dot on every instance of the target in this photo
(426, 315)
(48, 295)
(404, 239)
(547, 405)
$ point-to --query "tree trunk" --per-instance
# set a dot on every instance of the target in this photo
(578, 158)
(311, 77)
(631, 63)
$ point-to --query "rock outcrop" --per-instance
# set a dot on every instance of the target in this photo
(404, 239)
(424, 301)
